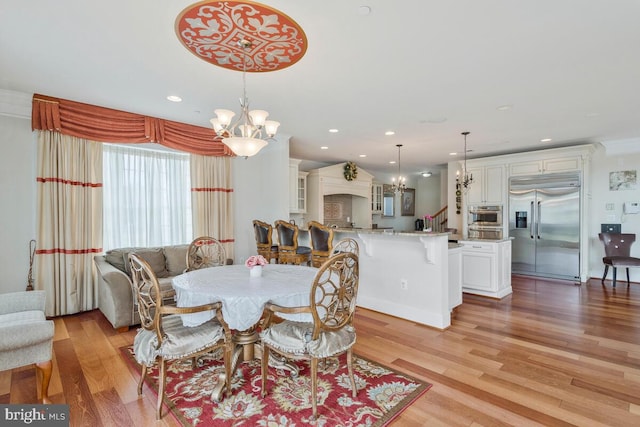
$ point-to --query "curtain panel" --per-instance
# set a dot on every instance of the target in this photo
(69, 221)
(108, 125)
(211, 199)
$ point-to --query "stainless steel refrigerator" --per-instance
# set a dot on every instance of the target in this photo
(544, 224)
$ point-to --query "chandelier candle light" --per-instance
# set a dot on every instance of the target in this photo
(467, 179)
(249, 133)
(400, 186)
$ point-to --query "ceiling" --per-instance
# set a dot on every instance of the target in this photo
(510, 72)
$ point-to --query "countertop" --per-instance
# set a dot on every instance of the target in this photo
(388, 231)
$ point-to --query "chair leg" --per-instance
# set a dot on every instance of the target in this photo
(606, 270)
(141, 382)
(161, 383)
(351, 377)
(615, 270)
(628, 283)
(265, 368)
(314, 387)
(45, 368)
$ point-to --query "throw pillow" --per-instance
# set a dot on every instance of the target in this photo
(154, 257)
(176, 257)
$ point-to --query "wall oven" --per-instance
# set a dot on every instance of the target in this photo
(485, 216)
(485, 222)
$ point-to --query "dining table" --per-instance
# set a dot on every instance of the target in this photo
(243, 297)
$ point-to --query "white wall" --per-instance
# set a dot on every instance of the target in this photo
(18, 194)
(602, 165)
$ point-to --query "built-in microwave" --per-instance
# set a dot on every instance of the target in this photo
(485, 215)
(485, 233)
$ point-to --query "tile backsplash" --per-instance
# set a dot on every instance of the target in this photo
(337, 210)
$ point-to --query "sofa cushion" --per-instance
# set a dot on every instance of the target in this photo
(176, 258)
(154, 257)
(119, 258)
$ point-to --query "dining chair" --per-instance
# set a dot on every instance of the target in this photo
(288, 249)
(321, 238)
(205, 252)
(617, 250)
(346, 245)
(163, 337)
(332, 304)
(264, 235)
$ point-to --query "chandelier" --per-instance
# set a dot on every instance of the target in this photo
(249, 133)
(398, 186)
(467, 179)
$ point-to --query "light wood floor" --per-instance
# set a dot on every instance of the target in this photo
(551, 354)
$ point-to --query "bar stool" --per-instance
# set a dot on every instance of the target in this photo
(288, 250)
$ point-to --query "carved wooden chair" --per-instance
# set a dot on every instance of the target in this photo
(617, 249)
(321, 238)
(162, 335)
(264, 234)
(332, 304)
(346, 245)
(205, 252)
(288, 251)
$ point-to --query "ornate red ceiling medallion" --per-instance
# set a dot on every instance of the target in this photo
(212, 30)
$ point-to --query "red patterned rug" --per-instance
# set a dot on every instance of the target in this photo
(382, 394)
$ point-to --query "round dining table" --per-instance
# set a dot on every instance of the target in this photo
(244, 297)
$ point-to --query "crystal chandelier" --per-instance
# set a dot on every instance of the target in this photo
(398, 186)
(249, 133)
(467, 179)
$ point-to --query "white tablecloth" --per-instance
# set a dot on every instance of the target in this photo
(243, 297)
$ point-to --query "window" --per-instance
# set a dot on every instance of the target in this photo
(146, 197)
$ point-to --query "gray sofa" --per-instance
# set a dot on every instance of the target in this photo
(116, 299)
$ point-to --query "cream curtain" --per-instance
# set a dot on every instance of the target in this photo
(211, 199)
(69, 221)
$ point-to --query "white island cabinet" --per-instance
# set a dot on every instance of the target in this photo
(486, 267)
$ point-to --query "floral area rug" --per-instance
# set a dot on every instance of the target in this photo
(382, 394)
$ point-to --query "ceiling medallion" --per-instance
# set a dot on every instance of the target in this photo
(212, 30)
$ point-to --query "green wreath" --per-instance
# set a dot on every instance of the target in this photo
(350, 171)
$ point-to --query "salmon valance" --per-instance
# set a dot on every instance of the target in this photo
(108, 125)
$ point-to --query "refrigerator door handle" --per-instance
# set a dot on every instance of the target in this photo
(531, 222)
(538, 218)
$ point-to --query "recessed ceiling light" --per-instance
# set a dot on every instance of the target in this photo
(389, 133)
(174, 98)
(363, 155)
(333, 130)
(546, 140)
(453, 154)
(364, 10)
(392, 162)
(505, 107)
(324, 147)
(426, 174)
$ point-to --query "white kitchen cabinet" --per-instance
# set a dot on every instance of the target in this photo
(376, 198)
(488, 185)
(486, 267)
(552, 165)
(455, 276)
(297, 188)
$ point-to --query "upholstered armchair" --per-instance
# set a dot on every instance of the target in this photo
(26, 336)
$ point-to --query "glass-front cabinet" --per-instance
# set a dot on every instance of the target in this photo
(376, 198)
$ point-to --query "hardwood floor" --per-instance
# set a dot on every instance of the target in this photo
(552, 354)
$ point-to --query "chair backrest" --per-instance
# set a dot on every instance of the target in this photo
(287, 235)
(346, 245)
(205, 252)
(148, 295)
(617, 244)
(263, 232)
(334, 293)
(321, 237)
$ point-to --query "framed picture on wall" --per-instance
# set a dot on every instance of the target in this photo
(408, 202)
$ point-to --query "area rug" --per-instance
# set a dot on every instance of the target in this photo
(382, 394)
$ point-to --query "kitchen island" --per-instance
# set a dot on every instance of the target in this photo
(404, 274)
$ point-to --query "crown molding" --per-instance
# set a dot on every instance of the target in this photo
(15, 104)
